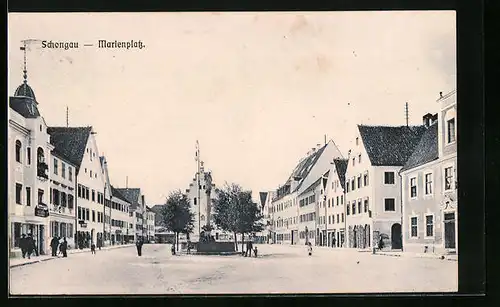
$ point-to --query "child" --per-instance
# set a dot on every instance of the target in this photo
(310, 249)
(255, 251)
(92, 248)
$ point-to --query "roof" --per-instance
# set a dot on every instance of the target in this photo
(24, 106)
(426, 150)
(118, 194)
(70, 142)
(131, 195)
(341, 167)
(390, 145)
(312, 186)
(263, 197)
(24, 90)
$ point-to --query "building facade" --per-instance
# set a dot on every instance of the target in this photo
(137, 210)
(62, 200)
(28, 173)
(430, 185)
(150, 225)
(373, 187)
(335, 199)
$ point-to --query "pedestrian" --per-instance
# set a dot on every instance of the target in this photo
(172, 249)
(22, 245)
(35, 247)
(334, 241)
(139, 244)
(381, 243)
(189, 247)
(255, 251)
(29, 245)
(54, 243)
(310, 249)
(64, 248)
(92, 247)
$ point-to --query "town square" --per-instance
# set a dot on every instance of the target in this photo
(238, 153)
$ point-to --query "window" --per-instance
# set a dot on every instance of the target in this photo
(19, 190)
(366, 205)
(353, 184)
(359, 181)
(359, 206)
(389, 178)
(365, 179)
(413, 187)
(90, 155)
(357, 140)
(79, 213)
(448, 177)
(93, 195)
(87, 193)
(414, 227)
(28, 196)
(90, 173)
(359, 158)
(63, 170)
(40, 195)
(87, 215)
(50, 195)
(353, 207)
(93, 216)
(348, 208)
(451, 130)
(353, 161)
(328, 203)
(28, 155)
(390, 204)
(329, 219)
(194, 200)
(347, 186)
(341, 199)
(428, 184)
(342, 215)
(70, 201)
(429, 226)
(55, 166)
(70, 173)
(18, 150)
(79, 191)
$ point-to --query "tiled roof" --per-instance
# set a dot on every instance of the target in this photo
(341, 167)
(263, 197)
(70, 142)
(304, 167)
(426, 150)
(24, 90)
(390, 145)
(311, 187)
(131, 195)
(24, 106)
(118, 194)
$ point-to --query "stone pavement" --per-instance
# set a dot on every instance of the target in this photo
(15, 262)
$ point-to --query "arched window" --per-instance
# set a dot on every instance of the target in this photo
(18, 151)
(40, 156)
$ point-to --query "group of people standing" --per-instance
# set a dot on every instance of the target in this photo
(63, 246)
(28, 246)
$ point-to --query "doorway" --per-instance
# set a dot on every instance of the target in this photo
(396, 242)
(449, 230)
(41, 239)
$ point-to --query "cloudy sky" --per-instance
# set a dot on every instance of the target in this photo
(258, 90)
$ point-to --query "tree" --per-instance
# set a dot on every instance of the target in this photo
(236, 212)
(176, 215)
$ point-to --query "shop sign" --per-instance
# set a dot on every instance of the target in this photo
(42, 210)
(83, 225)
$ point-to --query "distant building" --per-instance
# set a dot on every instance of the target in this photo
(264, 204)
(137, 211)
(430, 185)
(285, 205)
(335, 204)
(150, 224)
(373, 187)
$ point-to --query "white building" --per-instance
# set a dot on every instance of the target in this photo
(62, 199)
(150, 224)
(335, 204)
(137, 211)
(78, 145)
(285, 205)
(265, 201)
(430, 185)
(29, 151)
(373, 187)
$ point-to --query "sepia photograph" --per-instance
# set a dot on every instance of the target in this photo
(243, 153)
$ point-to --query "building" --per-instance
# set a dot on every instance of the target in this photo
(335, 207)
(29, 153)
(264, 204)
(120, 219)
(200, 195)
(150, 224)
(137, 212)
(78, 146)
(309, 219)
(373, 187)
(285, 205)
(430, 185)
(62, 199)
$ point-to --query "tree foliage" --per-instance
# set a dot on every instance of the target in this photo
(176, 215)
(235, 211)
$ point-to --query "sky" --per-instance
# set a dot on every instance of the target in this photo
(258, 90)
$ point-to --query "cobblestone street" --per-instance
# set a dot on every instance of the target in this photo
(278, 269)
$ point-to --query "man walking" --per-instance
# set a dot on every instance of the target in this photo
(64, 247)
(249, 249)
(22, 245)
(29, 245)
(54, 243)
(139, 244)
